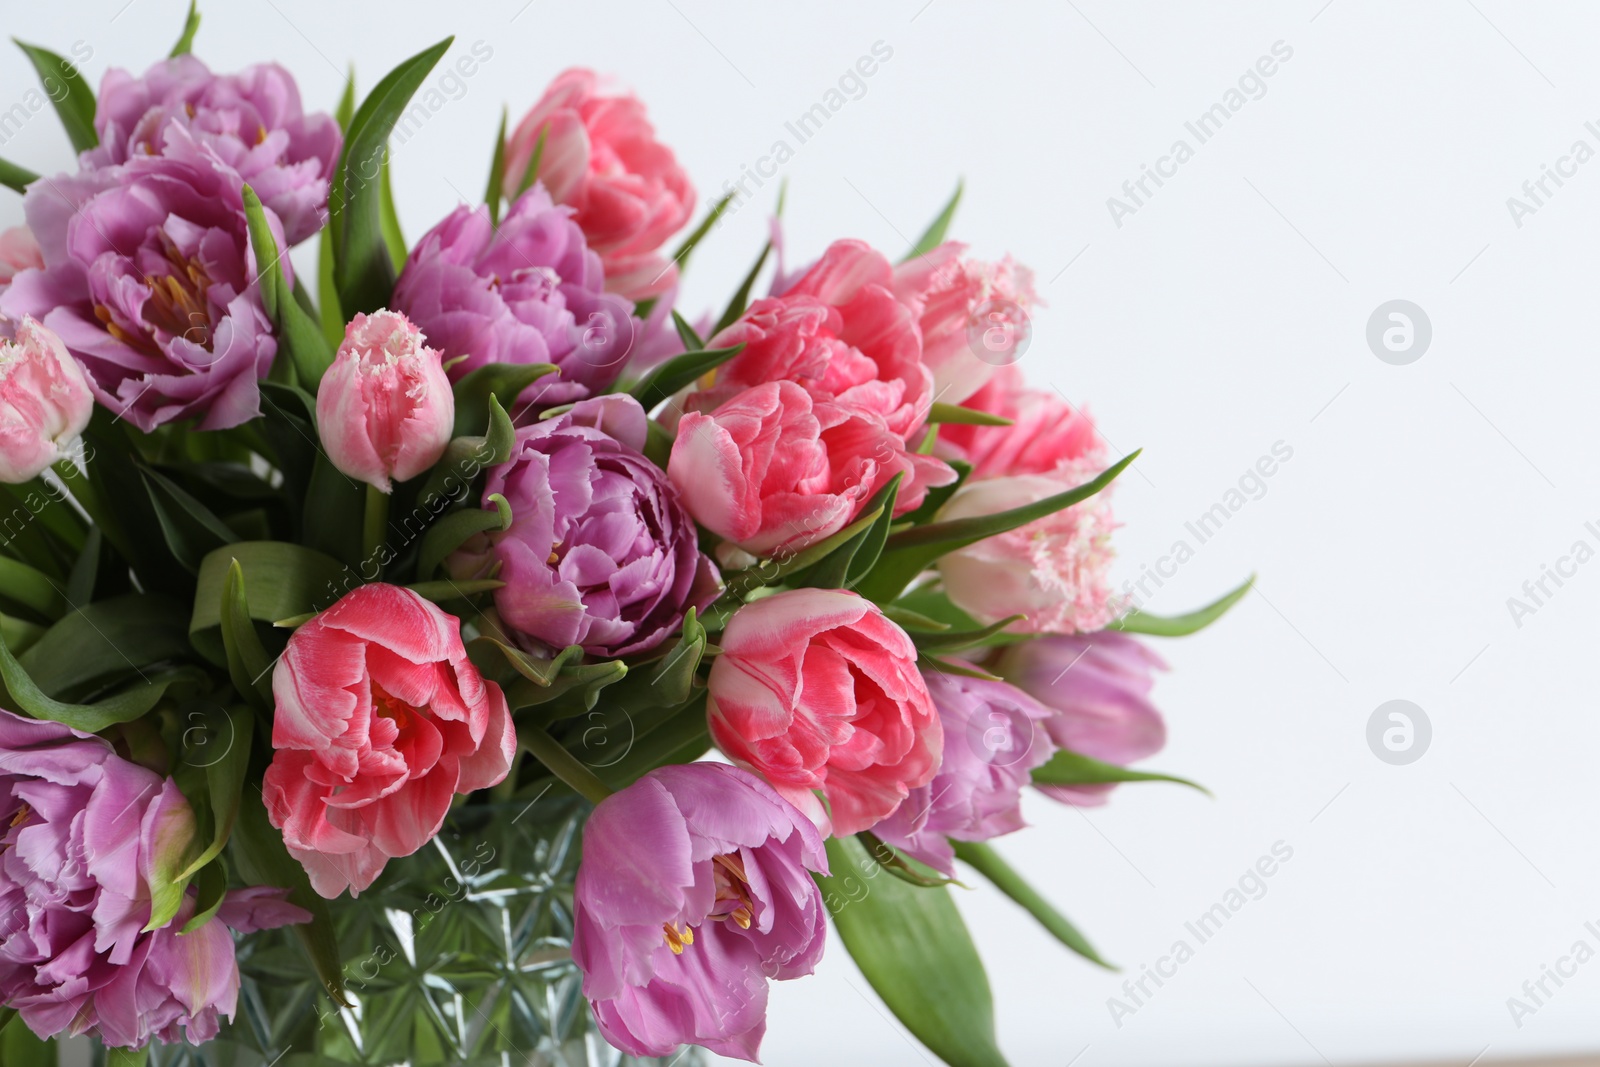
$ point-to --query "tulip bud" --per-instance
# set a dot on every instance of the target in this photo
(385, 409)
(44, 402)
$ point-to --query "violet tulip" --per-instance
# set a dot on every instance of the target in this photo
(692, 894)
(83, 833)
(384, 408)
(1098, 687)
(44, 402)
(994, 736)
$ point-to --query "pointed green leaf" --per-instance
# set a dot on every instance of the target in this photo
(105, 643)
(933, 236)
(909, 552)
(961, 640)
(692, 342)
(444, 590)
(33, 590)
(956, 415)
(363, 265)
(211, 889)
(249, 665)
(450, 532)
(190, 529)
(503, 381)
(1142, 622)
(389, 219)
(902, 866)
(774, 569)
(987, 862)
(741, 299)
(19, 633)
(218, 743)
(698, 234)
(300, 337)
(67, 89)
(913, 948)
(847, 563)
(191, 26)
(677, 372)
(280, 580)
(674, 677)
(938, 495)
(16, 178)
(90, 718)
(495, 195)
(1070, 768)
(530, 173)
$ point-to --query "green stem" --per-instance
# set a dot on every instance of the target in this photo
(375, 522)
(563, 764)
(987, 862)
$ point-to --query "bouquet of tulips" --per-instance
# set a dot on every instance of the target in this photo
(289, 580)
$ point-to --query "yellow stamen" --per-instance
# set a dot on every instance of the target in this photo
(675, 940)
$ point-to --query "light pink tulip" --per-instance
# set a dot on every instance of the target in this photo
(1054, 570)
(18, 252)
(45, 402)
(385, 409)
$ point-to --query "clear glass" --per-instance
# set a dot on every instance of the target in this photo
(458, 955)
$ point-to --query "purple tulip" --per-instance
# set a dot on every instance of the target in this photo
(527, 291)
(84, 834)
(693, 892)
(251, 122)
(600, 552)
(994, 737)
(1098, 686)
(150, 283)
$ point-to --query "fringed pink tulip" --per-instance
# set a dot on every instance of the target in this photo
(693, 894)
(45, 402)
(385, 409)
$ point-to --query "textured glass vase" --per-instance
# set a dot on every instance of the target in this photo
(458, 955)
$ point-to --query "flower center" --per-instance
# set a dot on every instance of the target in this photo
(178, 304)
(392, 708)
(732, 902)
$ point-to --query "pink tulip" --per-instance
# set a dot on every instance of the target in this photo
(385, 409)
(1047, 434)
(18, 252)
(381, 722)
(816, 690)
(957, 301)
(601, 158)
(773, 470)
(1054, 570)
(45, 402)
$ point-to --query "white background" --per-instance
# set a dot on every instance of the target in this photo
(1227, 314)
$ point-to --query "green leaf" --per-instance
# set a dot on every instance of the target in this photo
(191, 26)
(741, 299)
(16, 178)
(955, 414)
(856, 556)
(938, 495)
(190, 529)
(902, 866)
(1142, 622)
(503, 381)
(913, 948)
(961, 640)
(673, 680)
(64, 84)
(495, 195)
(389, 219)
(105, 642)
(90, 718)
(280, 580)
(1070, 768)
(452, 590)
(987, 862)
(327, 293)
(774, 569)
(927, 662)
(300, 337)
(452, 531)
(541, 671)
(909, 552)
(681, 370)
(218, 742)
(933, 236)
(19, 1048)
(126, 1057)
(260, 857)
(19, 633)
(692, 342)
(248, 662)
(364, 269)
(698, 234)
(530, 173)
(31, 589)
